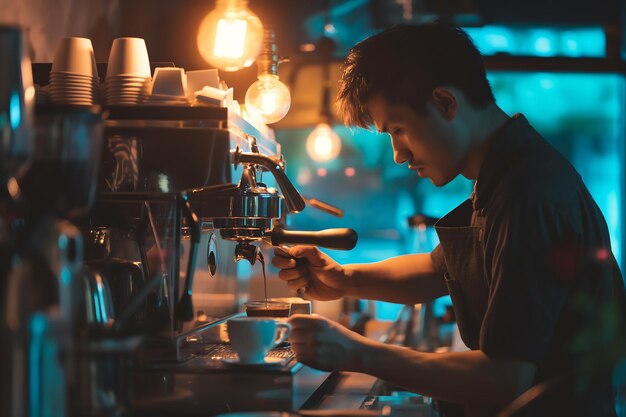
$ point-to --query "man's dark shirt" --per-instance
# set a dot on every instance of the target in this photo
(553, 292)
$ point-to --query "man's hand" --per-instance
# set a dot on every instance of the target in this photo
(307, 267)
(324, 344)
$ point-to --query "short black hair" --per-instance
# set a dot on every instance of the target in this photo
(405, 63)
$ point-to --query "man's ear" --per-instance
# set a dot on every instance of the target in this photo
(445, 101)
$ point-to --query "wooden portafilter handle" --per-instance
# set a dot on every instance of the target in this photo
(342, 238)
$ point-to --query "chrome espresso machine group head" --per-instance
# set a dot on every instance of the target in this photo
(254, 206)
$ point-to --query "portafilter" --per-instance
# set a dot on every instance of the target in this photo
(253, 206)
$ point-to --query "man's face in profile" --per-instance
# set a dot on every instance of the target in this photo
(427, 142)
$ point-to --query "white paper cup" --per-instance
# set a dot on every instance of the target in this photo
(125, 93)
(126, 89)
(128, 56)
(127, 79)
(71, 76)
(61, 93)
(78, 86)
(74, 56)
(77, 83)
(123, 84)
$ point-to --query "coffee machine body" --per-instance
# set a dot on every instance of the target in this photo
(162, 185)
(184, 194)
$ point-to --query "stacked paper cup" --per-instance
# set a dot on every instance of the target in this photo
(128, 72)
(74, 76)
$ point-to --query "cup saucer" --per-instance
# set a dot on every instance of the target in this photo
(267, 363)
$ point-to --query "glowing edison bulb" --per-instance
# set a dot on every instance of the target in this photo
(230, 36)
(323, 144)
(268, 100)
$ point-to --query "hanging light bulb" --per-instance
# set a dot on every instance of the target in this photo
(230, 36)
(268, 99)
(323, 144)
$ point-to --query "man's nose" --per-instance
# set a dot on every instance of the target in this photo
(400, 154)
(399, 158)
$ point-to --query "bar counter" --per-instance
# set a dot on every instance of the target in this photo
(355, 391)
(298, 389)
(214, 388)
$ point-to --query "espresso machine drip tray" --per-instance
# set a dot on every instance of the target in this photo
(205, 385)
(218, 352)
(221, 357)
(281, 358)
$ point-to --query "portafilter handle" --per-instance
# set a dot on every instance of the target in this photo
(343, 238)
(295, 202)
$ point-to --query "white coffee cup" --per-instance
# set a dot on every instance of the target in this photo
(75, 56)
(129, 57)
(253, 337)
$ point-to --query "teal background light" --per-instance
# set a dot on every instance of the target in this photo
(589, 42)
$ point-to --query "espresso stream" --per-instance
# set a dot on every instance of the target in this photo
(262, 260)
(268, 310)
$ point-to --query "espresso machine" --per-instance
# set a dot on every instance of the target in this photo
(184, 195)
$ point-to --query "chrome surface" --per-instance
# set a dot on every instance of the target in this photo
(242, 235)
(256, 204)
(98, 300)
(246, 251)
(294, 200)
(227, 224)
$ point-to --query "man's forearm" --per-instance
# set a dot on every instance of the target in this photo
(469, 378)
(407, 279)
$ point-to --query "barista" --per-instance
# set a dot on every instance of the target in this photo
(526, 259)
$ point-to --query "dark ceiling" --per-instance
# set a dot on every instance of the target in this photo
(170, 27)
(173, 24)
